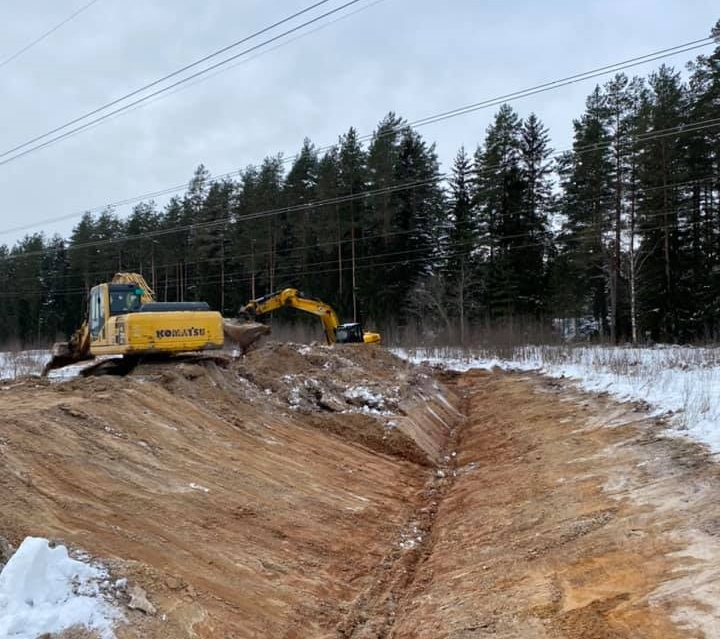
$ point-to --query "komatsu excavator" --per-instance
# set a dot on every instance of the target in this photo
(335, 332)
(124, 319)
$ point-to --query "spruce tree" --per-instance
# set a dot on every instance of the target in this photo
(500, 197)
(536, 171)
(352, 183)
(300, 190)
(586, 180)
(462, 273)
(418, 222)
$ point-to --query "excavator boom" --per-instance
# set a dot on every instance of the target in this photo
(295, 299)
(334, 330)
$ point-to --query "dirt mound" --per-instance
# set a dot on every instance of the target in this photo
(362, 394)
(248, 497)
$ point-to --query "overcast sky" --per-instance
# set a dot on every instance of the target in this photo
(415, 57)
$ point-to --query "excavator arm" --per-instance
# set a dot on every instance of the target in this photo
(295, 299)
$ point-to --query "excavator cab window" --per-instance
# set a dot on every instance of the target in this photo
(348, 334)
(125, 298)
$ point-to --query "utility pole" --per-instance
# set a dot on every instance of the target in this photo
(352, 247)
(252, 269)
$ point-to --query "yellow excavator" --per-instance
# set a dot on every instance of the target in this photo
(124, 319)
(335, 332)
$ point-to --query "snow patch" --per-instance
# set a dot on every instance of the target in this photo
(366, 401)
(410, 538)
(680, 384)
(44, 590)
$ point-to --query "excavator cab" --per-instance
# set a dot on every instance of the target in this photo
(349, 334)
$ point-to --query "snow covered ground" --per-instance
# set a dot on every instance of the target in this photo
(680, 383)
(21, 363)
(44, 590)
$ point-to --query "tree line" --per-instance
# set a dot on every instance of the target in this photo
(623, 229)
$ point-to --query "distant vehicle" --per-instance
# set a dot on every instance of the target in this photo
(580, 328)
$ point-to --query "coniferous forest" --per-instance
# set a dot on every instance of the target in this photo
(623, 229)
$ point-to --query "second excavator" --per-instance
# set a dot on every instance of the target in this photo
(335, 332)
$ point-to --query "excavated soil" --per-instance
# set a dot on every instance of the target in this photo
(339, 492)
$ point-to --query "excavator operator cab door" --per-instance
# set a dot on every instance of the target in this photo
(349, 334)
(96, 311)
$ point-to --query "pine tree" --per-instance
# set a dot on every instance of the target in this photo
(661, 165)
(620, 102)
(702, 140)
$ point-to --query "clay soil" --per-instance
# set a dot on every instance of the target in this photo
(313, 492)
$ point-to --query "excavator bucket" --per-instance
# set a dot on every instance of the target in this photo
(76, 349)
(244, 334)
(64, 355)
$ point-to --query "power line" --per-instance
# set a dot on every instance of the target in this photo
(202, 226)
(245, 61)
(660, 133)
(572, 79)
(681, 128)
(481, 241)
(192, 76)
(39, 39)
(363, 262)
(162, 79)
(427, 120)
(546, 86)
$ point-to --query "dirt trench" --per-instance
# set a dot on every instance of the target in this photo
(314, 492)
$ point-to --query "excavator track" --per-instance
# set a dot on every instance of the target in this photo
(121, 366)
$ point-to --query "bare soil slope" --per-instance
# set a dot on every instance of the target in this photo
(316, 492)
(249, 501)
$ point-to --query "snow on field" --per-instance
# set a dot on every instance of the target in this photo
(43, 590)
(19, 363)
(22, 363)
(680, 383)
